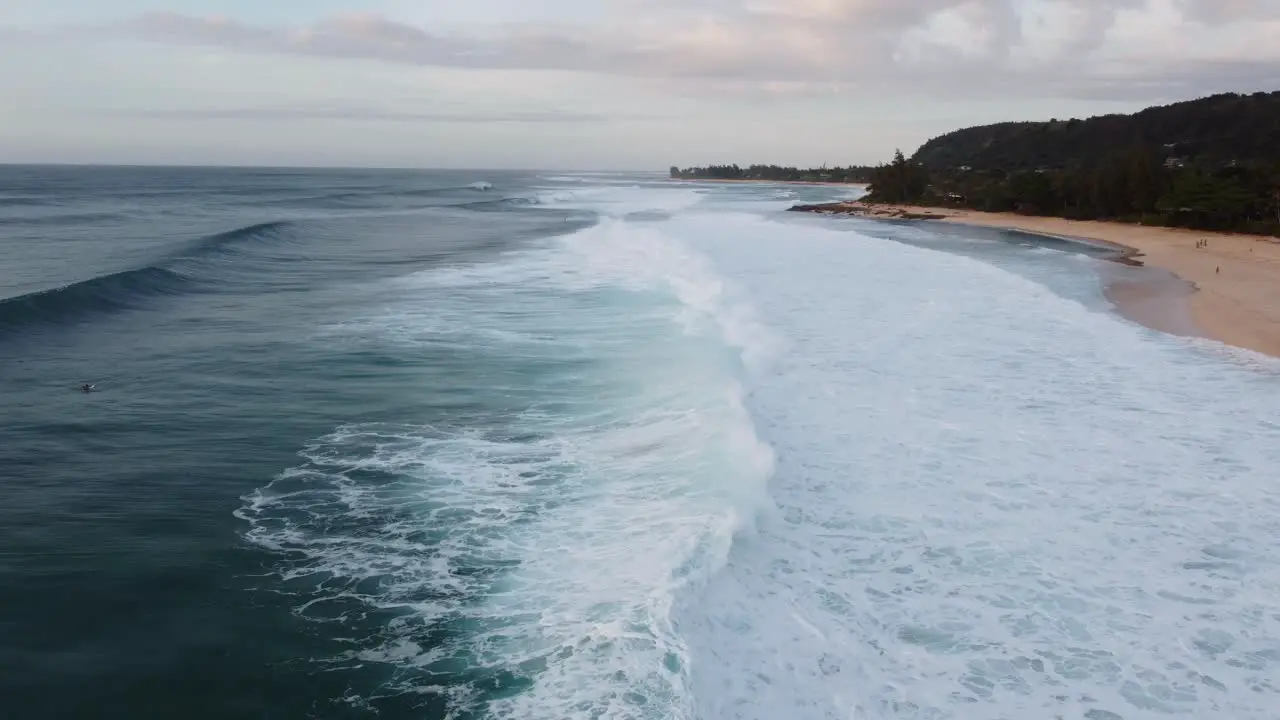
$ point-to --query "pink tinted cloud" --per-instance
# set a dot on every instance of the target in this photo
(928, 45)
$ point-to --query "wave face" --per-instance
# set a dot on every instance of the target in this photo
(153, 238)
(701, 460)
(128, 289)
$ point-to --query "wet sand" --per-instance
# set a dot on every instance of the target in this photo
(1232, 283)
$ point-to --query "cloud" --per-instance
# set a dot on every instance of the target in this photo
(707, 47)
(14, 34)
(1071, 48)
(364, 114)
(1181, 80)
(364, 36)
(1228, 11)
(880, 14)
(763, 93)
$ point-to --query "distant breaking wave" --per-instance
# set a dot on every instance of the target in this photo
(129, 289)
(248, 233)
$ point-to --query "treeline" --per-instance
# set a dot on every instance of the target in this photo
(1199, 180)
(1134, 187)
(777, 173)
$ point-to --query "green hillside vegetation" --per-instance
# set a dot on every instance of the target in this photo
(1211, 164)
(852, 174)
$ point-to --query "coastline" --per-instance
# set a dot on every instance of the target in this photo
(1231, 286)
(822, 183)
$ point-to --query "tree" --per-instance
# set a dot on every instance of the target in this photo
(1143, 178)
(1275, 199)
(1032, 193)
(1202, 200)
(901, 181)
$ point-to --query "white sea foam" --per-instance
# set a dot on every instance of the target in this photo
(985, 498)
(555, 545)
(621, 200)
(994, 503)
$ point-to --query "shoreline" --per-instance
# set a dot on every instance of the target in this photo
(1230, 286)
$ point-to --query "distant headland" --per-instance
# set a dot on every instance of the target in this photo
(1207, 164)
(775, 173)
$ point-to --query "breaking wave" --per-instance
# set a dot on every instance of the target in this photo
(528, 558)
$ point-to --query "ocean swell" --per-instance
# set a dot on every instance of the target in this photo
(178, 274)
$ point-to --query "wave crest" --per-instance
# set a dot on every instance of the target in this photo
(129, 289)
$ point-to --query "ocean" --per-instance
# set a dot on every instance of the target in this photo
(412, 444)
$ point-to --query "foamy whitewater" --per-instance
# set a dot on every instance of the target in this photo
(698, 458)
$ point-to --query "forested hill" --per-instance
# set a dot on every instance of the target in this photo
(1215, 129)
(1212, 163)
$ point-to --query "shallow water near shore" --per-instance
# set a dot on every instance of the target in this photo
(1153, 297)
(387, 444)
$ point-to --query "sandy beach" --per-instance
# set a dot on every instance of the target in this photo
(1235, 279)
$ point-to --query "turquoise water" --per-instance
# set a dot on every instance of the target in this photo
(428, 444)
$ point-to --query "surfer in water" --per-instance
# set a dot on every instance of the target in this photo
(88, 388)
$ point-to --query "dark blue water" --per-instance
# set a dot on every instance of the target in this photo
(196, 300)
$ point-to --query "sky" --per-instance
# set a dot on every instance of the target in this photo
(590, 84)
